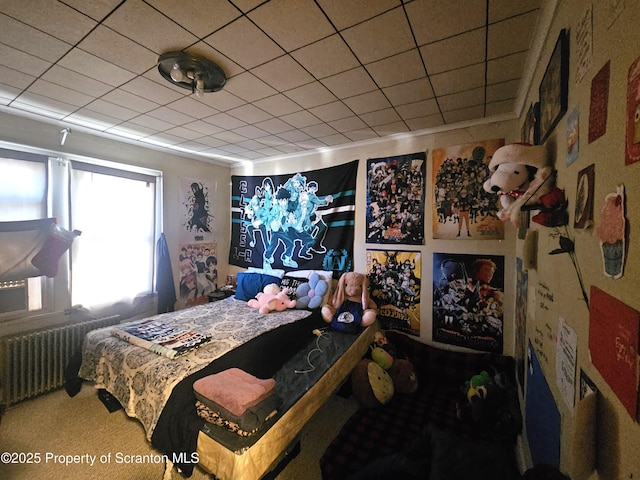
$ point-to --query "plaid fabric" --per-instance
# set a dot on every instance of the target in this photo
(372, 433)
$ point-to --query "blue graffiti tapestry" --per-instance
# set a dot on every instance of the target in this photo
(303, 220)
(395, 199)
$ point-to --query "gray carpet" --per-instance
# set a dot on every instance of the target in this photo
(52, 428)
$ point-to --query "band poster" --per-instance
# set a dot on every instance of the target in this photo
(468, 297)
(395, 199)
(394, 284)
(462, 209)
(303, 220)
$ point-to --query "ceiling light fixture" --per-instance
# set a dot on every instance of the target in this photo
(191, 71)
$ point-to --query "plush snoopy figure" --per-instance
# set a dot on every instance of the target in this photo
(519, 175)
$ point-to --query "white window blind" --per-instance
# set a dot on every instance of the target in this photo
(113, 259)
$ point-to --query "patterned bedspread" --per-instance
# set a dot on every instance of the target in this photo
(142, 380)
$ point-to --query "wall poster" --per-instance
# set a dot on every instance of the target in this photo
(522, 284)
(468, 294)
(461, 207)
(394, 284)
(301, 220)
(198, 249)
(395, 199)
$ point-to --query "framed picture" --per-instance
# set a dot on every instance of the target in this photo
(554, 88)
(531, 126)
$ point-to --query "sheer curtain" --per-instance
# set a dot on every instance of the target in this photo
(113, 259)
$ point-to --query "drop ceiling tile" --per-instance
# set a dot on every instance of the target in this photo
(164, 138)
(300, 119)
(130, 130)
(247, 5)
(152, 123)
(422, 123)
(274, 126)
(249, 87)
(380, 37)
(346, 14)
(96, 68)
(114, 48)
(271, 140)
(222, 100)
(511, 36)
(230, 137)
(505, 68)
(283, 73)
(111, 110)
(234, 39)
(331, 111)
(54, 18)
(15, 79)
(381, 117)
(503, 91)
(56, 92)
(21, 62)
(184, 133)
(362, 134)
(458, 101)
(228, 66)
(292, 24)
(294, 136)
(367, 102)
(250, 131)
(129, 100)
(458, 80)
(29, 40)
(337, 139)
(350, 83)
(170, 115)
(409, 92)
(68, 78)
(390, 128)
(250, 114)
(455, 52)
(418, 109)
(348, 124)
(464, 115)
(225, 121)
(8, 94)
(501, 9)
(313, 143)
(212, 141)
(250, 145)
(400, 68)
(277, 105)
(202, 127)
(500, 107)
(311, 95)
(326, 57)
(148, 27)
(145, 88)
(90, 119)
(48, 107)
(319, 131)
(268, 152)
(198, 17)
(434, 20)
(192, 106)
(97, 10)
(194, 146)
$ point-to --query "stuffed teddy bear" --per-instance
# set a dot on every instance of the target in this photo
(351, 305)
(272, 299)
(519, 174)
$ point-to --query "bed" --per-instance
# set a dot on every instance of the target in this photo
(158, 390)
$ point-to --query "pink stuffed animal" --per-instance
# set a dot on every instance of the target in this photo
(272, 300)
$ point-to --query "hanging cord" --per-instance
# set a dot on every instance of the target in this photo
(319, 334)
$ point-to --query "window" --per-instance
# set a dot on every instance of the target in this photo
(23, 196)
(113, 259)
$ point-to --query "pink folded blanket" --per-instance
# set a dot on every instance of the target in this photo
(234, 389)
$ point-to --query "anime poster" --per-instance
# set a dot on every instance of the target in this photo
(196, 218)
(198, 272)
(462, 209)
(632, 153)
(302, 220)
(394, 284)
(395, 199)
(468, 294)
(522, 284)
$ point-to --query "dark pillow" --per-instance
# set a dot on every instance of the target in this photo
(248, 284)
(292, 283)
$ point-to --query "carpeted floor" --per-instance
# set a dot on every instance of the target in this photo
(58, 437)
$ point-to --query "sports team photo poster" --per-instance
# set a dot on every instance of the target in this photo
(468, 297)
(394, 284)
